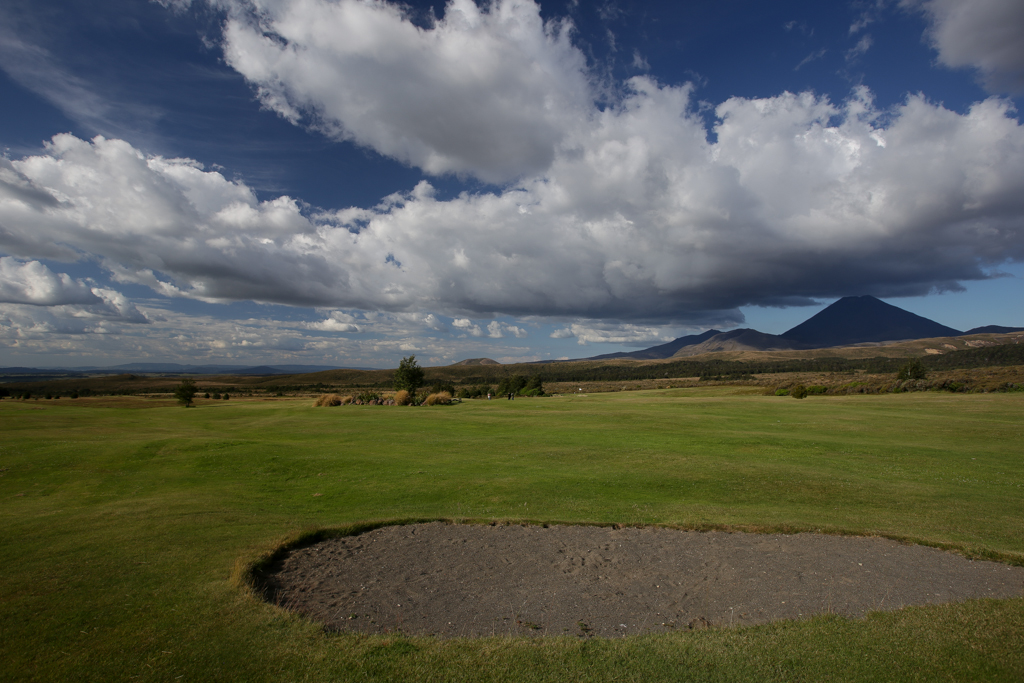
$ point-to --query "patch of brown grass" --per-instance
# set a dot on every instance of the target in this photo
(330, 400)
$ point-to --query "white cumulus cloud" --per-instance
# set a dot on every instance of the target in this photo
(468, 326)
(609, 333)
(987, 35)
(33, 283)
(488, 91)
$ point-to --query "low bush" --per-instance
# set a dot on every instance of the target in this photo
(440, 387)
(799, 391)
(782, 391)
(402, 398)
(440, 398)
(325, 400)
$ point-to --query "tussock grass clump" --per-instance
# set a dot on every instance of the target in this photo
(330, 400)
(402, 398)
(440, 398)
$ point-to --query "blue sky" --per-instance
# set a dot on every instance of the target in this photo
(348, 182)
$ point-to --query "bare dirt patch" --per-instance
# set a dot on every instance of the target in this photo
(456, 580)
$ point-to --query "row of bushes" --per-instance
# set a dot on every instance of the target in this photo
(962, 385)
(26, 395)
(398, 398)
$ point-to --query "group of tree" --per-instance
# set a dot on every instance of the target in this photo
(521, 386)
(410, 376)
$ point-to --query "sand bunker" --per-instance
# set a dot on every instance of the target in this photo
(476, 580)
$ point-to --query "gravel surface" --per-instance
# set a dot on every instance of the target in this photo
(455, 580)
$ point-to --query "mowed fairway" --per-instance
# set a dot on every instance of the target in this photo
(122, 527)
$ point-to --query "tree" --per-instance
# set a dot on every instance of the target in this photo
(912, 370)
(408, 376)
(185, 392)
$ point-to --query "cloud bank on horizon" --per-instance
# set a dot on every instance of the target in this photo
(602, 201)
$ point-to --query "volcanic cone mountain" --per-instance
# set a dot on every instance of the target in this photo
(857, 319)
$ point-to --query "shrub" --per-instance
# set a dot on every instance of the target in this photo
(402, 398)
(226, 396)
(782, 391)
(817, 389)
(440, 398)
(799, 391)
(216, 396)
(368, 397)
(328, 400)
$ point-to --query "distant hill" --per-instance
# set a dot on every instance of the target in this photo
(737, 340)
(37, 371)
(859, 319)
(169, 369)
(477, 361)
(18, 374)
(210, 369)
(662, 350)
(994, 329)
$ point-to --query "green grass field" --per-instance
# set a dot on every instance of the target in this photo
(123, 527)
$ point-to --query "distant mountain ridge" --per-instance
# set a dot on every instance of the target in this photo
(662, 350)
(994, 329)
(744, 339)
(850, 320)
(175, 369)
